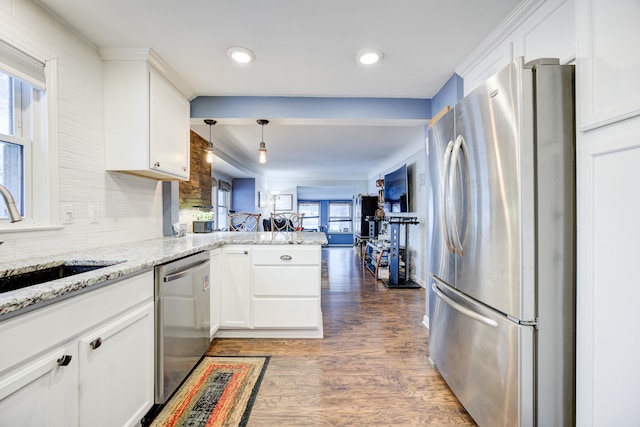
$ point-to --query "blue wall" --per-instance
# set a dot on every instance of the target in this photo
(222, 107)
(243, 196)
(332, 238)
(449, 94)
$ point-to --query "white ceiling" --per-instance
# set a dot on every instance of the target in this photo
(303, 49)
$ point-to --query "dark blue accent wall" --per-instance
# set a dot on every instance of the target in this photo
(243, 195)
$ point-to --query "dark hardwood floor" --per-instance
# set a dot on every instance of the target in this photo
(371, 368)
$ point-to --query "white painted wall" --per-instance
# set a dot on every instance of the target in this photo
(130, 207)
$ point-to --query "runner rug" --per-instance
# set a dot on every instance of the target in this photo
(219, 392)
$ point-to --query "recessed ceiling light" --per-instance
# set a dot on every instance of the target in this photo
(241, 54)
(369, 56)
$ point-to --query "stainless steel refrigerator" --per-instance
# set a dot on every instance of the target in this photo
(502, 247)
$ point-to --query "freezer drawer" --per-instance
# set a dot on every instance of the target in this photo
(486, 359)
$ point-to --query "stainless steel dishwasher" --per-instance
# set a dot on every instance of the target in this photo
(182, 320)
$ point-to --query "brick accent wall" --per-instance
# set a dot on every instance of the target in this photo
(197, 191)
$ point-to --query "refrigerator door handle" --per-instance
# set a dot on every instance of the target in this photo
(462, 309)
(446, 163)
(459, 146)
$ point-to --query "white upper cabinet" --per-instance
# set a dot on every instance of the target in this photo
(608, 62)
(146, 117)
(536, 29)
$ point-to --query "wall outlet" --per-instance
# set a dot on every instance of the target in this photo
(94, 214)
(67, 214)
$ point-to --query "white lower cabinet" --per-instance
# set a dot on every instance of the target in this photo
(271, 291)
(114, 367)
(215, 293)
(84, 361)
(42, 391)
(236, 288)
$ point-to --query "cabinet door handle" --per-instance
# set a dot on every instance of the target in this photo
(95, 343)
(64, 360)
(286, 257)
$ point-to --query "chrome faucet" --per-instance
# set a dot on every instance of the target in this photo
(14, 214)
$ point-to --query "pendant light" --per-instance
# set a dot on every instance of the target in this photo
(209, 150)
(262, 151)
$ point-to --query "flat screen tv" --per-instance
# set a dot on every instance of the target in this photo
(396, 191)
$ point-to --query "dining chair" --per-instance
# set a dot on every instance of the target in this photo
(286, 221)
(243, 221)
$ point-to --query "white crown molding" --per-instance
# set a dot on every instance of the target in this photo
(500, 33)
(152, 58)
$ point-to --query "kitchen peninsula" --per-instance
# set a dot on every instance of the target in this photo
(74, 341)
(129, 259)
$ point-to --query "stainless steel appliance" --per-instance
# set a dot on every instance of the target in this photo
(182, 320)
(502, 247)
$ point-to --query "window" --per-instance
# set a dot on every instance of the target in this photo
(311, 211)
(222, 208)
(340, 217)
(27, 167)
(222, 197)
(16, 117)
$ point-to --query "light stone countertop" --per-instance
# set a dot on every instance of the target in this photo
(127, 259)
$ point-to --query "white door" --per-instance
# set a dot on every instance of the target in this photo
(116, 371)
(236, 288)
(168, 127)
(43, 391)
(215, 278)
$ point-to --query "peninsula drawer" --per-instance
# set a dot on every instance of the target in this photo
(289, 281)
(286, 255)
(292, 313)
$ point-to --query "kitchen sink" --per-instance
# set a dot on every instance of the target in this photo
(47, 274)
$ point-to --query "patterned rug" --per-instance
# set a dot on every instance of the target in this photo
(219, 392)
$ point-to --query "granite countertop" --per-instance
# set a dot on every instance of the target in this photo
(124, 260)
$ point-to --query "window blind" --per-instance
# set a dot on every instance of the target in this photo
(22, 66)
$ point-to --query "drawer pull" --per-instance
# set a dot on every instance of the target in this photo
(64, 360)
(286, 257)
(95, 343)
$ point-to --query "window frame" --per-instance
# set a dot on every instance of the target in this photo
(340, 219)
(222, 219)
(306, 218)
(41, 193)
(324, 217)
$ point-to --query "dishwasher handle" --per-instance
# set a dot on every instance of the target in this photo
(183, 273)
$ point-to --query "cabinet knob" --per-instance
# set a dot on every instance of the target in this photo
(156, 165)
(64, 360)
(95, 343)
(286, 257)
